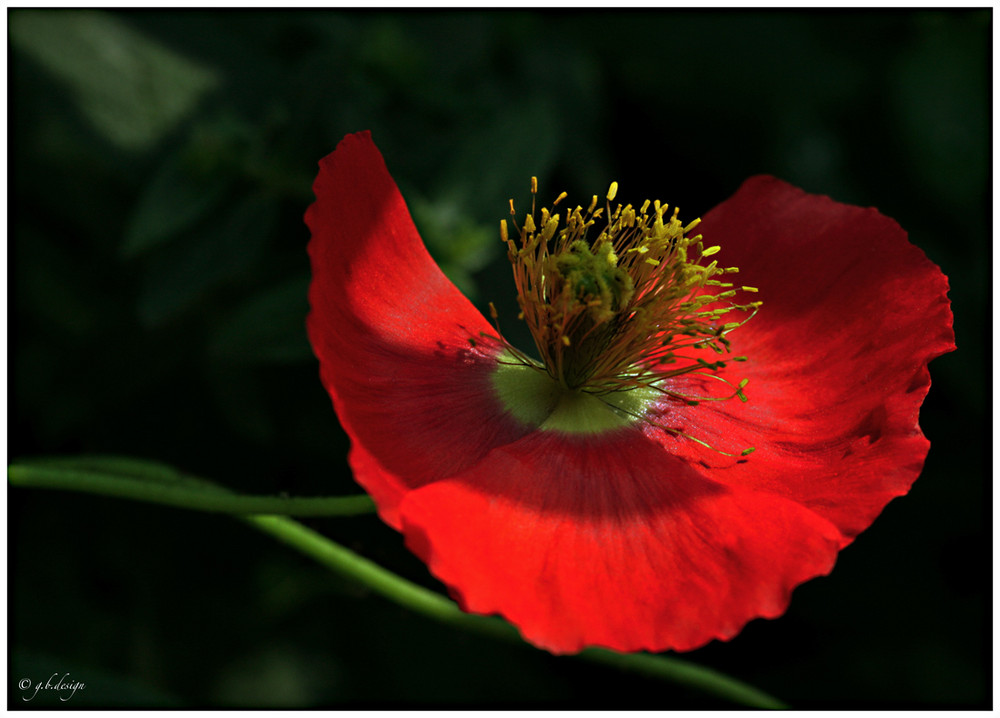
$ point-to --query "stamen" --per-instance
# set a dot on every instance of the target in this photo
(620, 310)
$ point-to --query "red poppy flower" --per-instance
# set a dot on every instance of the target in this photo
(607, 497)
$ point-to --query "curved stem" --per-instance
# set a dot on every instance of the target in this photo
(159, 486)
(398, 590)
(433, 605)
(688, 674)
(156, 483)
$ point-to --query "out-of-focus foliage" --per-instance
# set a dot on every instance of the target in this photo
(130, 87)
(160, 166)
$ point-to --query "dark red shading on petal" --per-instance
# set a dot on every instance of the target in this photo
(613, 542)
(838, 353)
(391, 333)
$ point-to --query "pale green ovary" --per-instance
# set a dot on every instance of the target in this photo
(537, 399)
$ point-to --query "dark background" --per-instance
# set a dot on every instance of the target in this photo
(160, 166)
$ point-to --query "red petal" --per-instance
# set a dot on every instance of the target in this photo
(838, 353)
(391, 334)
(613, 542)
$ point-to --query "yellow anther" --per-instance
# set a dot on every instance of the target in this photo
(616, 308)
(549, 230)
(628, 216)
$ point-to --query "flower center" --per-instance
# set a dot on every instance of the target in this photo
(617, 312)
(627, 310)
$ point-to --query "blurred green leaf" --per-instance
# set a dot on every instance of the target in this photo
(393, 54)
(132, 89)
(498, 157)
(283, 677)
(458, 244)
(184, 270)
(269, 328)
(175, 198)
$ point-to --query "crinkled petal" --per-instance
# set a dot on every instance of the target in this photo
(637, 538)
(392, 335)
(613, 542)
(838, 354)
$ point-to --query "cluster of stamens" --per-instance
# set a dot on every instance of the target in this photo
(624, 310)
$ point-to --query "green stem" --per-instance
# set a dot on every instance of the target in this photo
(181, 491)
(433, 605)
(396, 589)
(687, 674)
(156, 483)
